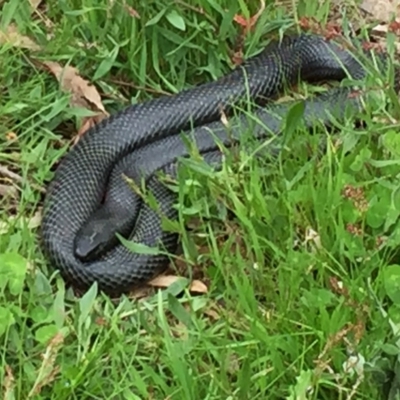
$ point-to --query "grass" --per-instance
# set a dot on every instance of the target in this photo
(301, 279)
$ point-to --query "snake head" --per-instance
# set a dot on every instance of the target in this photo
(94, 239)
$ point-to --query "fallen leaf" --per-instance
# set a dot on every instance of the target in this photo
(13, 37)
(248, 24)
(8, 191)
(224, 118)
(382, 10)
(167, 280)
(198, 287)
(84, 94)
(163, 280)
(35, 221)
(141, 293)
(312, 236)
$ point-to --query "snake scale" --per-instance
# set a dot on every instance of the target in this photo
(88, 200)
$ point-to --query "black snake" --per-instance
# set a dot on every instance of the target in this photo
(147, 137)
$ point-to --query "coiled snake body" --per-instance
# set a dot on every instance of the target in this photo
(146, 137)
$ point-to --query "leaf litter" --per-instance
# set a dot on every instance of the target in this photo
(83, 93)
(12, 37)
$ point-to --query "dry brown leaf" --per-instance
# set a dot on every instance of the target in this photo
(141, 293)
(167, 280)
(382, 10)
(13, 37)
(8, 191)
(198, 287)
(164, 280)
(35, 221)
(83, 93)
(381, 28)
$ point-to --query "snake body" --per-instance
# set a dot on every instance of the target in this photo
(146, 137)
